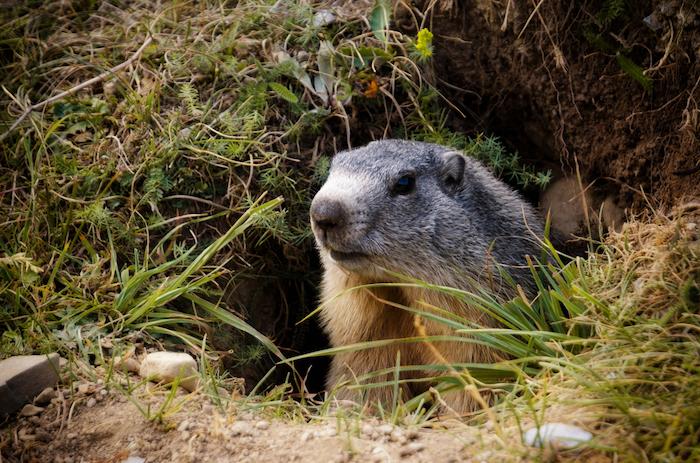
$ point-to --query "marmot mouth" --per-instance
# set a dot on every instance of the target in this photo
(339, 256)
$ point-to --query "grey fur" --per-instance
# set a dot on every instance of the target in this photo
(449, 230)
(462, 227)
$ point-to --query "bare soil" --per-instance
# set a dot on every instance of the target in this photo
(546, 83)
(97, 425)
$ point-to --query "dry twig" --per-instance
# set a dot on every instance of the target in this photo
(78, 87)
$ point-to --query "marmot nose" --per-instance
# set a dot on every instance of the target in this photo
(328, 214)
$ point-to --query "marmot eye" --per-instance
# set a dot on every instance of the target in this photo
(404, 185)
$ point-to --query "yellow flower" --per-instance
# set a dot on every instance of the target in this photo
(424, 43)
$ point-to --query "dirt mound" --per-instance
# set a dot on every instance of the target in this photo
(102, 425)
(611, 86)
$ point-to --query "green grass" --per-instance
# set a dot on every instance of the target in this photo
(128, 206)
(122, 199)
(609, 344)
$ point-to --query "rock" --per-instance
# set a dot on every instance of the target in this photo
(45, 396)
(328, 431)
(131, 459)
(559, 435)
(23, 377)
(565, 198)
(128, 364)
(323, 18)
(652, 22)
(91, 402)
(262, 425)
(385, 429)
(411, 448)
(168, 366)
(397, 435)
(42, 435)
(223, 393)
(241, 428)
(86, 388)
(30, 410)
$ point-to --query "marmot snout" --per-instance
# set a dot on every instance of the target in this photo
(426, 212)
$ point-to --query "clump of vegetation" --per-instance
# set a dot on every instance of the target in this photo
(129, 156)
(609, 344)
(152, 155)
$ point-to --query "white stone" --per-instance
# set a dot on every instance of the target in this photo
(328, 431)
(323, 18)
(168, 366)
(134, 460)
(30, 410)
(558, 435)
(45, 396)
(262, 425)
(241, 428)
(128, 364)
(397, 435)
(411, 448)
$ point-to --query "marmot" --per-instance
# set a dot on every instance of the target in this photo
(427, 212)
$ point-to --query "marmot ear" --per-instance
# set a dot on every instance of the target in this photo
(453, 164)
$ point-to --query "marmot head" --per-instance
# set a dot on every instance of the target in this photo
(390, 205)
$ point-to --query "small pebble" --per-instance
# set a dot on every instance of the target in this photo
(327, 432)
(26, 434)
(262, 425)
(45, 396)
(397, 435)
(42, 435)
(91, 402)
(183, 426)
(323, 18)
(385, 429)
(30, 410)
(411, 448)
(558, 435)
(306, 436)
(131, 459)
(240, 428)
(129, 364)
(85, 388)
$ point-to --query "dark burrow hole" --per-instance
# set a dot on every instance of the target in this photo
(275, 302)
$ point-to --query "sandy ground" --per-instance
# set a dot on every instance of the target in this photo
(94, 424)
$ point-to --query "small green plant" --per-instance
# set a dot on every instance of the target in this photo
(423, 46)
(529, 331)
(603, 34)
